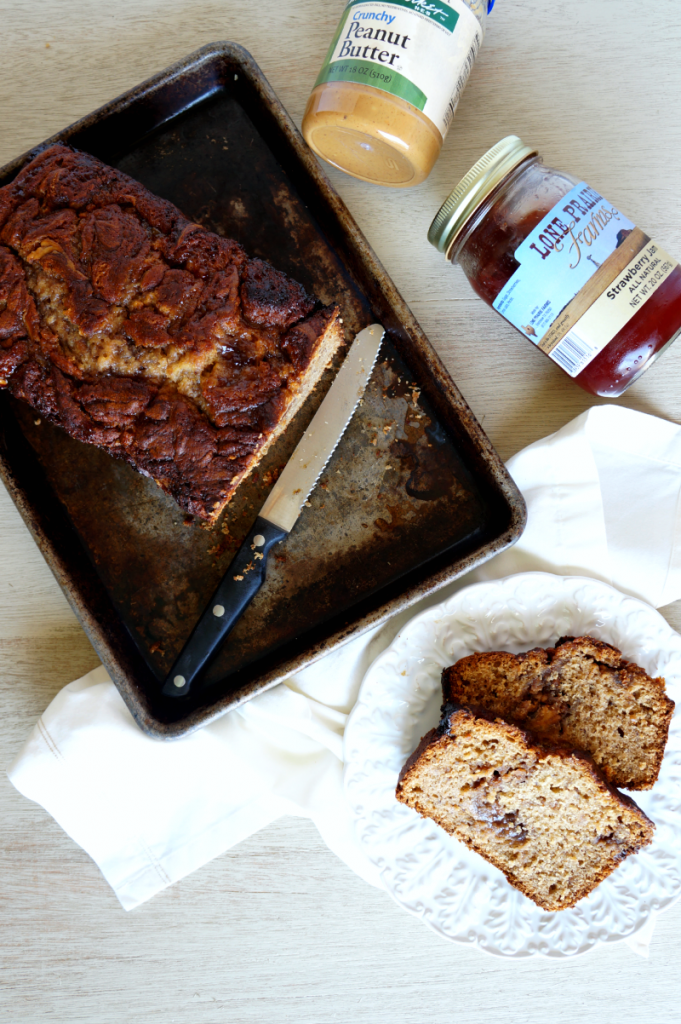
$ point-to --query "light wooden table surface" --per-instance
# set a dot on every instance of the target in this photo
(278, 929)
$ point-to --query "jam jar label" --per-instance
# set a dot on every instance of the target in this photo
(419, 50)
(584, 272)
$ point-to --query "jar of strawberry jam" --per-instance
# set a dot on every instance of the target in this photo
(563, 265)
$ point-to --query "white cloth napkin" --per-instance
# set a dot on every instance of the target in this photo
(604, 500)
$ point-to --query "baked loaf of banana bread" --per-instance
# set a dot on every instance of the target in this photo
(145, 334)
(580, 693)
(541, 814)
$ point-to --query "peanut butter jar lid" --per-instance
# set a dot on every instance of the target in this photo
(480, 182)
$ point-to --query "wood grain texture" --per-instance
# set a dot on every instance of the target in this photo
(278, 929)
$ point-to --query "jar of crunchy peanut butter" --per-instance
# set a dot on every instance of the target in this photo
(390, 85)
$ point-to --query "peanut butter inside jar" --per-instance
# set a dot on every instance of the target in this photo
(371, 135)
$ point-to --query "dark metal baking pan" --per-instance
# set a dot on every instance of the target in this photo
(413, 497)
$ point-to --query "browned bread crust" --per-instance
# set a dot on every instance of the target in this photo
(138, 331)
(581, 693)
(542, 814)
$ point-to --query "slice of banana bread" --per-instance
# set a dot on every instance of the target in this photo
(581, 693)
(543, 815)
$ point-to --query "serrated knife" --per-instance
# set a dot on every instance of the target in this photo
(278, 516)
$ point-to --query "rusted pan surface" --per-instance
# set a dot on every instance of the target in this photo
(413, 496)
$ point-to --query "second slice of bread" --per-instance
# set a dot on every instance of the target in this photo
(580, 693)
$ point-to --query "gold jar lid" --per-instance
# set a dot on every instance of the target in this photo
(479, 183)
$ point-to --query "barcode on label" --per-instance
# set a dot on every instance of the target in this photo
(573, 353)
(461, 83)
(451, 110)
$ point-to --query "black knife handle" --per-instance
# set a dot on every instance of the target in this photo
(239, 585)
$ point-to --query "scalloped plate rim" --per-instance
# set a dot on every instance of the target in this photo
(362, 706)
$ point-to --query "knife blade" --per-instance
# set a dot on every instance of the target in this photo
(278, 515)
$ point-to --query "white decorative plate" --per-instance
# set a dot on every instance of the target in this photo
(429, 873)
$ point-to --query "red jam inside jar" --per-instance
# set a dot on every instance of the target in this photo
(482, 232)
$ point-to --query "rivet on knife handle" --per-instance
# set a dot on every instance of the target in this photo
(239, 586)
